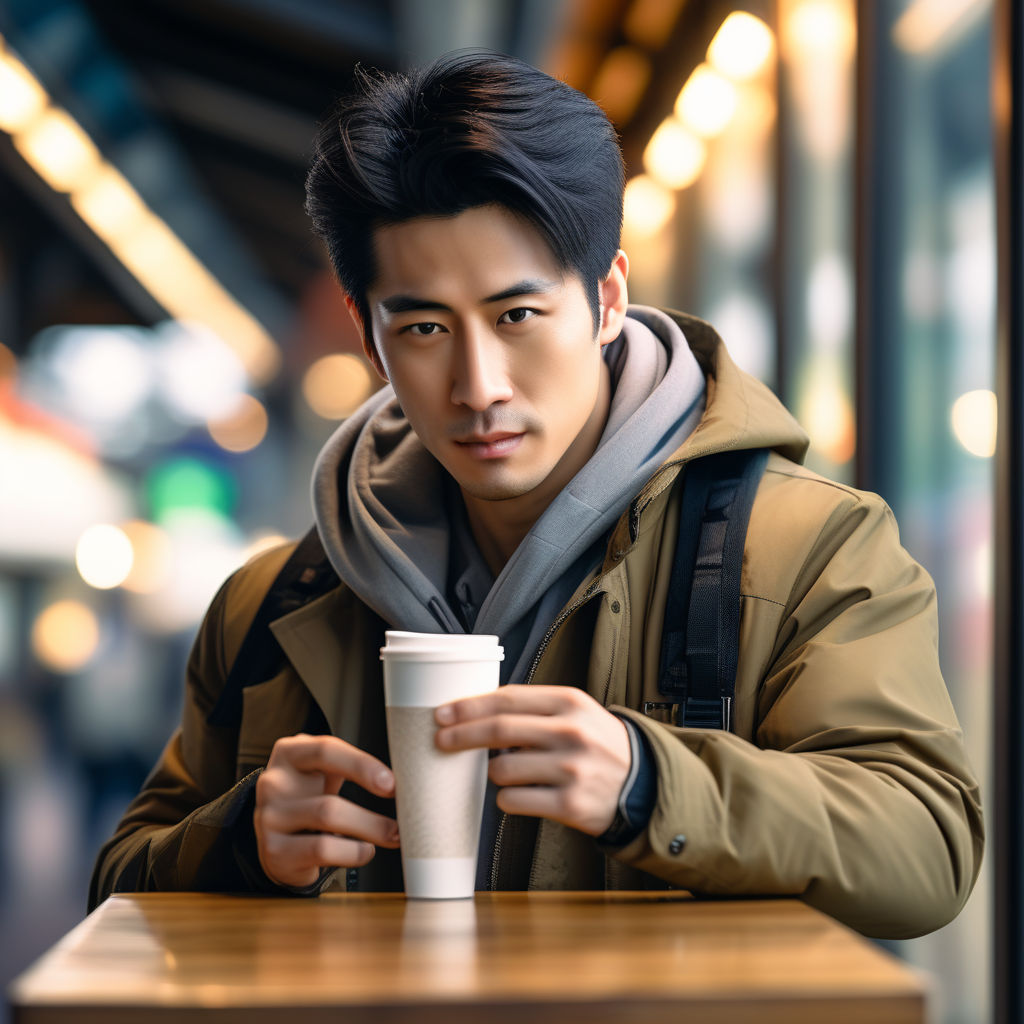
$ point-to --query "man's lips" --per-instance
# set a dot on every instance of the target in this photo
(490, 446)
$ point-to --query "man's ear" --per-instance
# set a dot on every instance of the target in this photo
(614, 299)
(368, 346)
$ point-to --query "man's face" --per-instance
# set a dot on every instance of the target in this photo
(492, 351)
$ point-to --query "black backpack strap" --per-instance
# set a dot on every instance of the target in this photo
(700, 641)
(307, 574)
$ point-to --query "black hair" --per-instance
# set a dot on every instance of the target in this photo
(470, 129)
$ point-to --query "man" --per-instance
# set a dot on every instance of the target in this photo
(520, 477)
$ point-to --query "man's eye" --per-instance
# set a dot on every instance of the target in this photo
(424, 329)
(517, 315)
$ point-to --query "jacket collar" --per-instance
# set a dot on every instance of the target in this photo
(317, 650)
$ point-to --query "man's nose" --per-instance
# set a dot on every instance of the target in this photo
(480, 372)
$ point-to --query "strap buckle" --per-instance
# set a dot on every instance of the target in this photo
(703, 713)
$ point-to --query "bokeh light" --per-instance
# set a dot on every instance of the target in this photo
(336, 385)
(65, 636)
(821, 28)
(674, 156)
(199, 377)
(104, 556)
(647, 206)
(741, 47)
(22, 98)
(105, 373)
(187, 484)
(974, 420)
(109, 204)
(826, 411)
(58, 149)
(706, 102)
(152, 562)
(243, 429)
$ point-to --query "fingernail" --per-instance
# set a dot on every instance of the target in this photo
(384, 778)
(445, 714)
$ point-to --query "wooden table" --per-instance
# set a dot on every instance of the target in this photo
(526, 958)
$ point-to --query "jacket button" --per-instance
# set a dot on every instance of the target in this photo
(616, 607)
(677, 844)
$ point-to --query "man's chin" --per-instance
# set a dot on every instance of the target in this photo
(497, 488)
(493, 490)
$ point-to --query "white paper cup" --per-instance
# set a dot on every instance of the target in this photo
(439, 796)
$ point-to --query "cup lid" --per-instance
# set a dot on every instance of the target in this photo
(402, 645)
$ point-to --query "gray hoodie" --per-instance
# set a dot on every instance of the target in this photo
(381, 501)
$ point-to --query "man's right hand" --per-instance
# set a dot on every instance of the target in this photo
(302, 824)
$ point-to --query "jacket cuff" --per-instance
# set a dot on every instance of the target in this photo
(639, 791)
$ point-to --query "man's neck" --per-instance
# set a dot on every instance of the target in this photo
(497, 532)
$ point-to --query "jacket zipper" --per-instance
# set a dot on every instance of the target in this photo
(552, 629)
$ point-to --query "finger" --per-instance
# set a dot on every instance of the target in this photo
(327, 814)
(504, 731)
(532, 768)
(559, 803)
(334, 759)
(297, 860)
(512, 699)
(535, 801)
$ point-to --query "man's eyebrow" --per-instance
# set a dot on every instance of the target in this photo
(410, 303)
(413, 303)
(532, 286)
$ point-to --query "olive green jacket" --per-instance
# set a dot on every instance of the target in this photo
(844, 782)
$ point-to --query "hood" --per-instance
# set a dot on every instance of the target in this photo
(740, 411)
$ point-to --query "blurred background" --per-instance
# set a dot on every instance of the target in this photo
(815, 177)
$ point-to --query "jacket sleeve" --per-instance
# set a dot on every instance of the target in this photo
(190, 827)
(856, 793)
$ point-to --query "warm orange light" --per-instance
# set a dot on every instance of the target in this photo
(620, 82)
(742, 46)
(58, 150)
(706, 102)
(65, 636)
(22, 98)
(243, 429)
(151, 564)
(647, 207)
(827, 413)
(820, 30)
(109, 205)
(336, 385)
(675, 156)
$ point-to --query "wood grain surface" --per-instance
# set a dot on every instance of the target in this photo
(524, 957)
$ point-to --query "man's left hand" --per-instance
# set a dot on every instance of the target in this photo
(563, 756)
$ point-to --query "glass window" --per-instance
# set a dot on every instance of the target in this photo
(928, 402)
